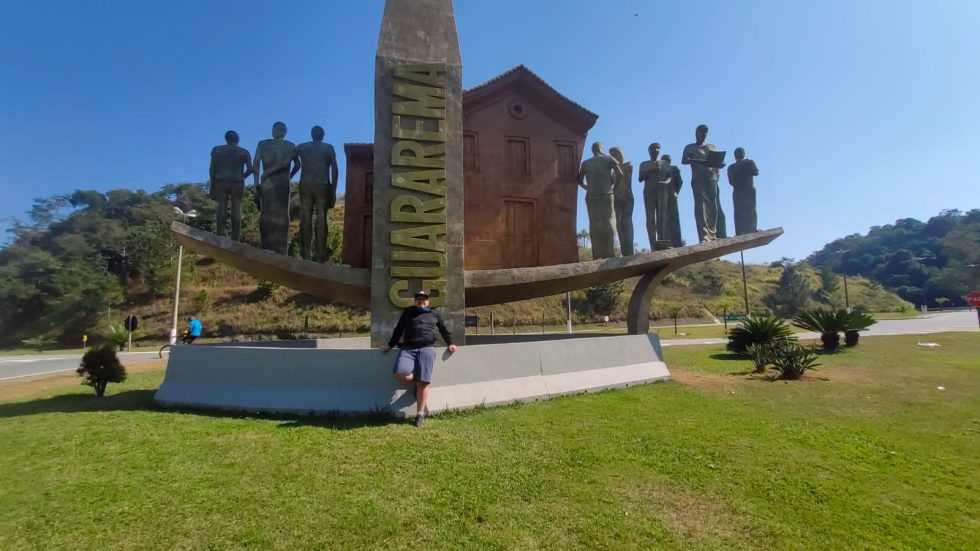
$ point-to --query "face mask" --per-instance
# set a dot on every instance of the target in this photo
(424, 308)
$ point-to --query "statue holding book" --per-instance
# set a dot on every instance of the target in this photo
(706, 161)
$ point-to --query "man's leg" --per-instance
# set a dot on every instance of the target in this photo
(305, 220)
(405, 365)
(426, 364)
(221, 216)
(237, 191)
(422, 389)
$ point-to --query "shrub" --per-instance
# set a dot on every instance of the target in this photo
(116, 335)
(760, 354)
(100, 366)
(829, 323)
(793, 360)
(39, 343)
(856, 321)
(764, 330)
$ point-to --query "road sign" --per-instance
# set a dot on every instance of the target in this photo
(974, 299)
(734, 317)
(131, 323)
(84, 338)
(472, 321)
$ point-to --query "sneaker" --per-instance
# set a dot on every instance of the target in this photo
(419, 420)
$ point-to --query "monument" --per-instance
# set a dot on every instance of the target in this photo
(673, 213)
(418, 168)
(656, 177)
(416, 222)
(623, 202)
(317, 194)
(703, 159)
(598, 177)
(272, 191)
(230, 165)
(741, 176)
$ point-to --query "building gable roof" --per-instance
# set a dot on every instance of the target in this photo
(538, 91)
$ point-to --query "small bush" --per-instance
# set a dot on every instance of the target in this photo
(829, 323)
(765, 330)
(100, 366)
(793, 360)
(760, 354)
(856, 321)
(39, 343)
(116, 335)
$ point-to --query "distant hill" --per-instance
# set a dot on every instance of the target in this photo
(88, 259)
(923, 262)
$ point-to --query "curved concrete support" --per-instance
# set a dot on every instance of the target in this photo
(346, 285)
(638, 313)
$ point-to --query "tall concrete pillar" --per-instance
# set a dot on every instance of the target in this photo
(418, 165)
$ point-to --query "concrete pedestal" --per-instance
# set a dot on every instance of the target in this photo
(306, 380)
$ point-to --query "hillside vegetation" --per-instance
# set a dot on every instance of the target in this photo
(88, 259)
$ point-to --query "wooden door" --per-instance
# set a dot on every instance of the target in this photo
(520, 246)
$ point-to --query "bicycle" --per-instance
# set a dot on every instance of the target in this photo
(185, 339)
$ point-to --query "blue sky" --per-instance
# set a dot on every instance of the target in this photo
(857, 112)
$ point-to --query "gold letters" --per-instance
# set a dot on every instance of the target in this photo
(418, 165)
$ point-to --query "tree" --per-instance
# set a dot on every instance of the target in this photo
(792, 293)
(602, 300)
(100, 366)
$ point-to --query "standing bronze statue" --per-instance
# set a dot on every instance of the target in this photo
(704, 182)
(741, 176)
(272, 192)
(597, 177)
(317, 193)
(623, 202)
(656, 177)
(230, 165)
(673, 214)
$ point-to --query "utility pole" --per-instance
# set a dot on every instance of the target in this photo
(745, 285)
(568, 302)
(180, 261)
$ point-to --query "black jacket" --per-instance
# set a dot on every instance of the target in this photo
(419, 328)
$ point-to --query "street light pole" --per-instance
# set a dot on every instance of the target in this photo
(180, 262)
(847, 298)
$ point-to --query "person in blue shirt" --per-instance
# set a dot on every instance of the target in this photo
(193, 330)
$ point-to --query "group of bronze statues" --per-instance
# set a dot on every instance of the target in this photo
(277, 160)
(607, 180)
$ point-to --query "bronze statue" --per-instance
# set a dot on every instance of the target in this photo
(656, 177)
(230, 165)
(272, 195)
(623, 202)
(597, 177)
(704, 184)
(673, 214)
(741, 176)
(317, 193)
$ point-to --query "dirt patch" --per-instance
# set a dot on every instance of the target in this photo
(28, 386)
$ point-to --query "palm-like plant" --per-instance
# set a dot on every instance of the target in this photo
(856, 321)
(793, 360)
(760, 354)
(761, 330)
(829, 323)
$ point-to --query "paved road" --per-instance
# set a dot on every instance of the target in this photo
(930, 323)
(15, 367)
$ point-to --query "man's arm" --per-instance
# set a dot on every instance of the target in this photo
(687, 157)
(731, 176)
(396, 335)
(212, 176)
(334, 171)
(248, 165)
(755, 169)
(296, 166)
(441, 326)
(581, 179)
(255, 165)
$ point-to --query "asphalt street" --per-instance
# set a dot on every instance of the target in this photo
(15, 367)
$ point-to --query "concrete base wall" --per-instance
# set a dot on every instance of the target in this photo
(319, 381)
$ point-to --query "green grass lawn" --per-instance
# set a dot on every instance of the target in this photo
(865, 453)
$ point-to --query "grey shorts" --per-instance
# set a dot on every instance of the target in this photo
(417, 361)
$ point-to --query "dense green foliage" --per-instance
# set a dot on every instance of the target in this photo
(100, 366)
(88, 253)
(767, 331)
(920, 261)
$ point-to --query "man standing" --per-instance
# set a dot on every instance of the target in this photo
(317, 193)
(597, 177)
(673, 214)
(623, 202)
(704, 184)
(741, 176)
(272, 195)
(417, 356)
(230, 165)
(656, 177)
